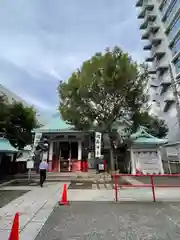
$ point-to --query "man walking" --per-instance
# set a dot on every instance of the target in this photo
(43, 167)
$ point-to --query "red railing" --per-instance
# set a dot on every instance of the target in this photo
(151, 184)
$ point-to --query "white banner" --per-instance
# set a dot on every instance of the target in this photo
(45, 156)
(37, 139)
(98, 144)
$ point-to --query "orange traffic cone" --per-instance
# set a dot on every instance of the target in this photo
(64, 200)
(14, 235)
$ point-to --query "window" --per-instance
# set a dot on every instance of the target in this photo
(176, 47)
(174, 28)
(177, 65)
(173, 7)
(164, 6)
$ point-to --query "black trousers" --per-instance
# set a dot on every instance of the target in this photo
(42, 176)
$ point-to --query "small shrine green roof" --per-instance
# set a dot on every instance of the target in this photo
(142, 137)
(5, 146)
(55, 125)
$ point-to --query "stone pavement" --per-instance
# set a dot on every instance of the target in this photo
(34, 208)
(109, 221)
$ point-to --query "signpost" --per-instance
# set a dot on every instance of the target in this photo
(30, 166)
(37, 139)
(30, 163)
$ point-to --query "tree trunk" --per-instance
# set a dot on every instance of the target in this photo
(112, 159)
(112, 163)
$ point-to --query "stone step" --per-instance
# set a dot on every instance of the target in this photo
(66, 177)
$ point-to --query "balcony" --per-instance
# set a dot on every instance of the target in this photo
(142, 13)
(165, 79)
(169, 99)
(149, 6)
(139, 3)
(154, 27)
(164, 87)
(149, 17)
(165, 82)
(145, 35)
(149, 59)
(158, 52)
(152, 70)
(144, 24)
(162, 66)
(155, 38)
(154, 83)
(156, 41)
(146, 7)
(151, 28)
(147, 46)
(161, 69)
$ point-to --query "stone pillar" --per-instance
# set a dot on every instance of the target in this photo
(79, 150)
(160, 161)
(50, 155)
(133, 166)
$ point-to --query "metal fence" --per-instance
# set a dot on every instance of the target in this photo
(153, 182)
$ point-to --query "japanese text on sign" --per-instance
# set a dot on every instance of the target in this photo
(98, 145)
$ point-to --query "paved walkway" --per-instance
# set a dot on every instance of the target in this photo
(34, 208)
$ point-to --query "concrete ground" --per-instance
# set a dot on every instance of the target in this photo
(110, 221)
(37, 204)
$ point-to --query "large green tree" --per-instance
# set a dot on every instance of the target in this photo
(107, 87)
(153, 125)
(17, 122)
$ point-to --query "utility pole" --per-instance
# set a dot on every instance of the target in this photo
(174, 88)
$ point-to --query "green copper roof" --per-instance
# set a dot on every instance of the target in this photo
(55, 125)
(142, 137)
(5, 146)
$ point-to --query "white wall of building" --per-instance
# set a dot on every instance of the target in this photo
(161, 99)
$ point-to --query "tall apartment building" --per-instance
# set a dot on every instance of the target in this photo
(160, 29)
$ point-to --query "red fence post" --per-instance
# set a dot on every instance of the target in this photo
(116, 187)
(153, 190)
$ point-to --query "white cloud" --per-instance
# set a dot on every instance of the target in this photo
(44, 41)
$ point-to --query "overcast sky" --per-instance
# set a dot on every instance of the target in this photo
(43, 41)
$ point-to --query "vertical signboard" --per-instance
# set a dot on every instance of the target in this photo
(37, 139)
(98, 144)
